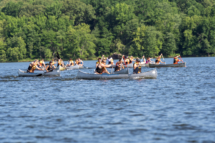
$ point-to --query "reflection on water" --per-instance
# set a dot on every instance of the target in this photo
(178, 106)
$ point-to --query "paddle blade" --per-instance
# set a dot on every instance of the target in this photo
(58, 56)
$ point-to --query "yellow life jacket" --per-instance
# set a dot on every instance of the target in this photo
(34, 67)
(59, 62)
(111, 61)
(76, 62)
(139, 67)
(158, 61)
(41, 63)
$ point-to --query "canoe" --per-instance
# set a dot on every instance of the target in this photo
(167, 65)
(150, 74)
(62, 68)
(25, 74)
(146, 75)
(126, 66)
(39, 73)
(123, 71)
(129, 65)
(53, 73)
(142, 64)
(113, 66)
(73, 67)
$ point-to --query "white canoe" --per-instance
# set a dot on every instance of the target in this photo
(39, 73)
(149, 75)
(126, 66)
(62, 68)
(123, 71)
(167, 65)
(129, 65)
(75, 67)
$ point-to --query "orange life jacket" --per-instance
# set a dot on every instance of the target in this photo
(176, 60)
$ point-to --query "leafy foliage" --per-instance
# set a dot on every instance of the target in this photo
(90, 28)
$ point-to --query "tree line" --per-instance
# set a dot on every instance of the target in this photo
(90, 28)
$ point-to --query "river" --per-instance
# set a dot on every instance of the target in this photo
(178, 106)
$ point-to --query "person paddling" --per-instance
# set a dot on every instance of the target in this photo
(148, 60)
(127, 60)
(101, 67)
(131, 59)
(71, 63)
(42, 63)
(60, 63)
(143, 60)
(33, 66)
(176, 59)
(110, 61)
(50, 67)
(158, 60)
(80, 62)
(137, 67)
(119, 65)
(76, 62)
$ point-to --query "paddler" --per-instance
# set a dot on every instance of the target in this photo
(42, 63)
(33, 66)
(143, 60)
(176, 59)
(103, 57)
(131, 59)
(127, 60)
(70, 63)
(80, 62)
(104, 70)
(76, 62)
(60, 63)
(148, 60)
(158, 60)
(137, 67)
(50, 67)
(119, 65)
(110, 61)
(54, 61)
(101, 67)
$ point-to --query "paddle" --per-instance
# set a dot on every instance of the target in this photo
(85, 67)
(163, 58)
(58, 56)
(112, 69)
(181, 59)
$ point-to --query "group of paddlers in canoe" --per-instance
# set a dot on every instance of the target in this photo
(125, 60)
(101, 65)
(40, 65)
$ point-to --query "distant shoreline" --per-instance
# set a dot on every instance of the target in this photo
(91, 59)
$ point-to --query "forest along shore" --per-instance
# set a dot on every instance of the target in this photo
(87, 29)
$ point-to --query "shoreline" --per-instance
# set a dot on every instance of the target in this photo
(91, 59)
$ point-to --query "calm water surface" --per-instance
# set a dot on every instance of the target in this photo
(178, 106)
